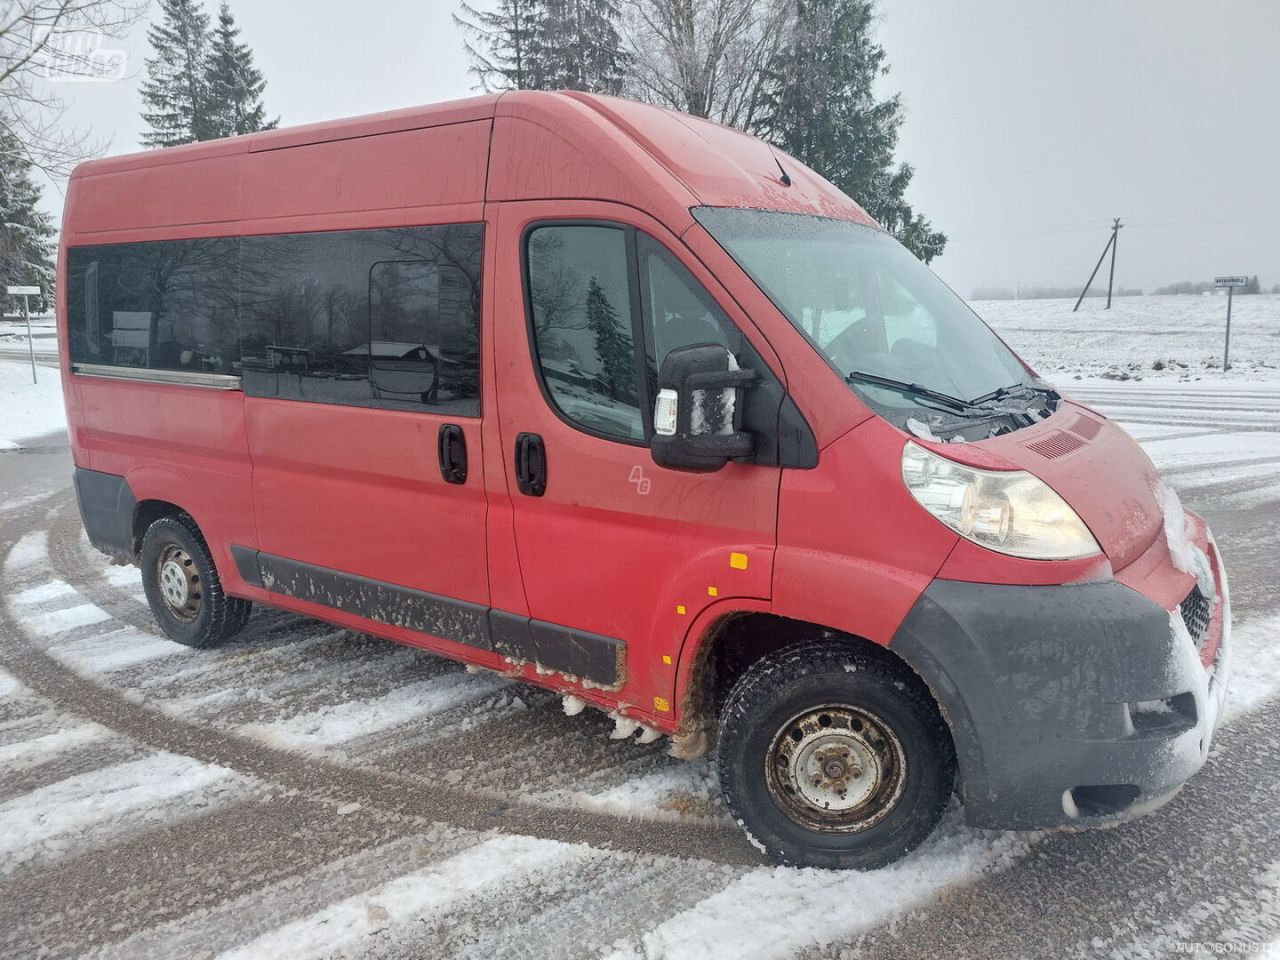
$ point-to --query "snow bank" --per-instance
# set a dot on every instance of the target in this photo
(30, 410)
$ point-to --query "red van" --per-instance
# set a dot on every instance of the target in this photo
(638, 408)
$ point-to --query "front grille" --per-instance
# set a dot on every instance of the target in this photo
(1195, 609)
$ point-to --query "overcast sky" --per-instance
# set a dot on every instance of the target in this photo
(1031, 123)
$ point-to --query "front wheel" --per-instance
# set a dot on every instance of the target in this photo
(182, 585)
(831, 757)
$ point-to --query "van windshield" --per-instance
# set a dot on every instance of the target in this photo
(898, 335)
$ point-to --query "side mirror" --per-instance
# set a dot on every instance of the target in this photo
(697, 417)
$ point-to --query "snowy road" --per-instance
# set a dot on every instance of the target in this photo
(305, 792)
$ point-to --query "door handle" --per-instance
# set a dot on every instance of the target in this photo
(531, 464)
(452, 444)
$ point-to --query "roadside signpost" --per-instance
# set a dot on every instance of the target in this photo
(1230, 283)
(25, 292)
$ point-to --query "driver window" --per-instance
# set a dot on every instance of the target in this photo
(676, 310)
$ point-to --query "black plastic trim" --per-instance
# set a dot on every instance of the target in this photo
(388, 603)
(246, 560)
(107, 507)
(576, 653)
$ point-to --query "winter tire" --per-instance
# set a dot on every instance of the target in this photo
(182, 585)
(832, 757)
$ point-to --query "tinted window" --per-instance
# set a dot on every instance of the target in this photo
(167, 305)
(580, 295)
(386, 318)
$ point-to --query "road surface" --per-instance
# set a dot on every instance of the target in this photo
(307, 792)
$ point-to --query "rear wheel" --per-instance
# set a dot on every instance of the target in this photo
(834, 758)
(182, 585)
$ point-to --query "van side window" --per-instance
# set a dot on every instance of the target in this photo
(374, 318)
(160, 305)
(580, 299)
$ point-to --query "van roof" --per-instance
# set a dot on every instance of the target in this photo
(564, 144)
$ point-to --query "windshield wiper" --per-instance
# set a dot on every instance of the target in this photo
(1001, 392)
(915, 389)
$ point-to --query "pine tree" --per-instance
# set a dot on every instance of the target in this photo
(235, 84)
(26, 237)
(176, 91)
(505, 44)
(613, 345)
(825, 113)
(579, 47)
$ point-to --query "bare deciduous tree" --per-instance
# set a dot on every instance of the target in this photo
(43, 40)
(711, 58)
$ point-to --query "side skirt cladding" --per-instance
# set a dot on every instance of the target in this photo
(585, 655)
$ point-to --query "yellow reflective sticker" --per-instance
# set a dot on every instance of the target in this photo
(713, 592)
(660, 703)
(680, 609)
(666, 658)
(738, 561)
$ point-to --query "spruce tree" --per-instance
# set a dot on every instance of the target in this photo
(613, 344)
(825, 113)
(579, 47)
(178, 107)
(505, 44)
(26, 234)
(235, 84)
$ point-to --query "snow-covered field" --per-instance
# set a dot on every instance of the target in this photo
(1159, 338)
(305, 792)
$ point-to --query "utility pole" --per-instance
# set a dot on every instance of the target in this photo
(1115, 242)
(1116, 226)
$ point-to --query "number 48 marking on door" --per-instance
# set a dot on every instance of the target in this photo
(640, 480)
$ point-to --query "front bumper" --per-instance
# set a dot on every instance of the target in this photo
(1072, 704)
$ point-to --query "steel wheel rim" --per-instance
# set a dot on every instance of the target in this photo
(836, 768)
(180, 586)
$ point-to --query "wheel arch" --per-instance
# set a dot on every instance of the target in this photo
(726, 641)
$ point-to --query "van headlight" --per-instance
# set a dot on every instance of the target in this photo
(1009, 511)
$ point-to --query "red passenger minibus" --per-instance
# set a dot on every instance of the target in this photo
(638, 408)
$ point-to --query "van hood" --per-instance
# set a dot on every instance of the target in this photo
(1093, 464)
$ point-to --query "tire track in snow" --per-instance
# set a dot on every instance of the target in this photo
(94, 807)
(345, 784)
